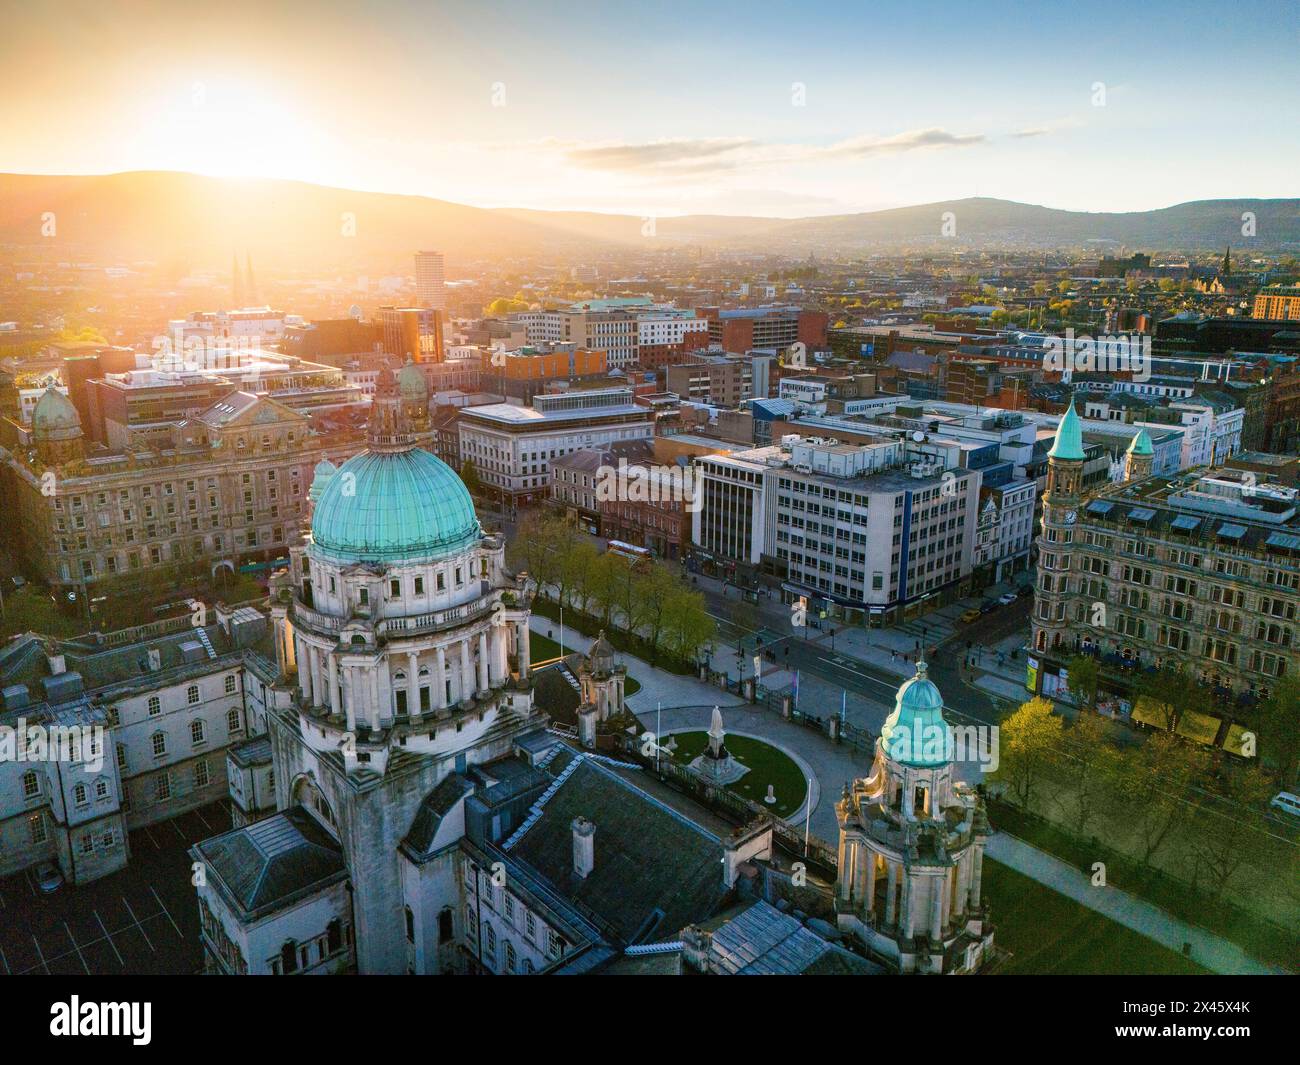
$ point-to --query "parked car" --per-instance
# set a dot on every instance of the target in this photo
(1007, 598)
(970, 615)
(988, 606)
(1287, 802)
(48, 878)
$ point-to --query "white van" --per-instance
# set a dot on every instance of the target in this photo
(1287, 803)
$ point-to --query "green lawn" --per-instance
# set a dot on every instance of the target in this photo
(1048, 934)
(30, 609)
(544, 649)
(767, 765)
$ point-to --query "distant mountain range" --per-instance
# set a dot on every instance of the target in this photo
(160, 214)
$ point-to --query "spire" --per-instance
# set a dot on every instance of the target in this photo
(1227, 261)
(389, 429)
(236, 283)
(1069, 436)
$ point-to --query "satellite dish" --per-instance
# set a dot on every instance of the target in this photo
(919, 436)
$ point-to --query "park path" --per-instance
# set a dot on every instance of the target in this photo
(1207, 949)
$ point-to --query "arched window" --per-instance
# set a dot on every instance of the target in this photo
(490, 945)
(445, 927)
(196, 731)
(31, 785)
(232, 721)
(510, 957)
(192, 694)
(101, 788)
(289, 957)
(79, 794)
(155, 706)
(410, 924)
(159, 741)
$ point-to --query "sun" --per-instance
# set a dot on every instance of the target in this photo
(230, 127)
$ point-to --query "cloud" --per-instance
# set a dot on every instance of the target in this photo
(657, 154)
(1021, 134)
(682, 157)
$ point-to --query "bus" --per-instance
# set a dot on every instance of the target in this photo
(634, 554)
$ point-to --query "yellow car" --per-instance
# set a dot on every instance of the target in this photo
(970, 615)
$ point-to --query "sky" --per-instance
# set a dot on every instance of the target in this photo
(669, 108)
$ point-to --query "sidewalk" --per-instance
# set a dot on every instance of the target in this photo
(1214, 952)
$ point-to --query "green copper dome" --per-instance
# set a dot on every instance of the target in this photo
(1141, 444)
(916, 733)
(394, 506)
(54, 411)
(320, 479)
(1069, 436)
(411, 382)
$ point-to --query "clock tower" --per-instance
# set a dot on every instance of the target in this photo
(1058, 580)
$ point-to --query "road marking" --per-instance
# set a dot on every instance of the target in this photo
(27, 876)
(199, 815)
(40, 955)
(73, 941)
(108, 937)
(151, 839)
(169, 916)
(138, 924)
(177, 830)
(5, 962)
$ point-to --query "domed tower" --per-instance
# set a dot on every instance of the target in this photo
(1052, 595)
(56, 429)
(413, 389)
(602, 682)
(912, 845)
(404, 647)
(1140, 458)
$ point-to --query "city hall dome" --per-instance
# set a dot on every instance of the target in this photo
(402, 506)
(411, 382)
(394, 502)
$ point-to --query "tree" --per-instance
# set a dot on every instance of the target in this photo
(687, 625)
(1027, 741)
(469, 475)
(1170, 692)
(1084, 674)
(1225, 840)
(658, 584)
(1154, 779)
(1279, 729)
(1087, 765)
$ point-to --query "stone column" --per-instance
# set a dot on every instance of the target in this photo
(304, 672)
(861, 859)
(318, 677)
(482, 662)
(842, 886)
(907, 921)
(350, 697)
(438, 685)
(939, 885)
(374, 696)
(977, 870)
(333, 702)
(523, 645)
(962, 877)
(891, 904)
(466, 671)
(869, 895)
(413, 685)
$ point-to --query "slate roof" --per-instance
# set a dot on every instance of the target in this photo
(655, 872)
(763, 941)
(270, 863)
(436, 805)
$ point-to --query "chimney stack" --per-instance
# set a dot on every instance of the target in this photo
(584, 846)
